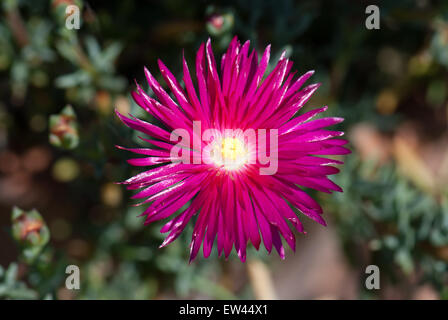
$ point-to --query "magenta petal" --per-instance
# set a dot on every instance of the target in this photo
(277, 242)
(144, 127)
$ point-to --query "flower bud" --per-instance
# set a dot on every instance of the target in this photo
(30, 232)
(64, 129)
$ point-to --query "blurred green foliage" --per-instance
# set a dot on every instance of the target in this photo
(386, 221)
(10, 288)
(383, 77)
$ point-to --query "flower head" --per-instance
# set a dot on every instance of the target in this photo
(233, 154)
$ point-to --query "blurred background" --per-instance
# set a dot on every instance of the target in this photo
(59, 205)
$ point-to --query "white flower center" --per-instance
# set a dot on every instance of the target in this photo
(231, 153)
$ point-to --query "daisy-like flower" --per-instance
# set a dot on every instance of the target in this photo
(236, 188)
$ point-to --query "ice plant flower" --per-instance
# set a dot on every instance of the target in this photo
(225, 189)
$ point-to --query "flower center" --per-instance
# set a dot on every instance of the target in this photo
(232, 149)
(230, 153)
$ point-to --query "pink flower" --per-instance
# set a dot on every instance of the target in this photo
(233, 199)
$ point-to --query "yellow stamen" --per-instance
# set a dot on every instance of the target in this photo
(232, 149)
(230, 153)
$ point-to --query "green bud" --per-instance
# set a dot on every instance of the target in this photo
(30, 231)
(218, 24)
(64, 129)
